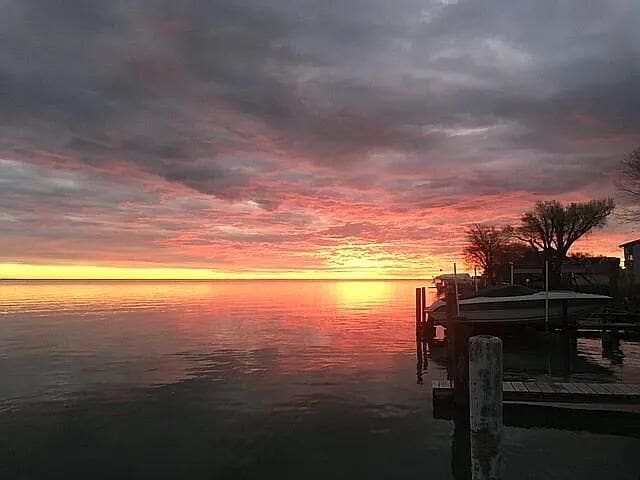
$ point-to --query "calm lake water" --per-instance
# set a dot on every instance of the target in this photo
(253, 379)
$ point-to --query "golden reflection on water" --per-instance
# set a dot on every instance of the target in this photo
(155, 332)
(18, 295)
(353, 293)
(147, 333)
(322, 352)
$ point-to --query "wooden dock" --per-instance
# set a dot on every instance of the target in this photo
(554, 392)
(625, 329)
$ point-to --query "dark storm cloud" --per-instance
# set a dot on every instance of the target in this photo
(208, 178)
(169, 86)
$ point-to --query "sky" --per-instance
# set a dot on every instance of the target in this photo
(302, 139)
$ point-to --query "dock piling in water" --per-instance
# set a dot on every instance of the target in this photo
(420, 351)
(418, 313)
(458, 351)
(485, 407)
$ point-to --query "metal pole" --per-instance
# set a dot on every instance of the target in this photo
(546, 295)
(455, 283)
(485, 407)
(475, 278)
(511, 264)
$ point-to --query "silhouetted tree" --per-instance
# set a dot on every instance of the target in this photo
(553, 228)
(513, 252)
(629, 183)
(487, 246)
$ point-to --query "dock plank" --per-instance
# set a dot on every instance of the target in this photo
(615, 389)
(625, 389)
(598, 389)
(558, 388)
(532, 387)
(582, 388)
(576, 392)
(587, 388)
(545, 387)
(519, 387)
(609, 387)
(619, 389)
(571, 388)
(632, 388)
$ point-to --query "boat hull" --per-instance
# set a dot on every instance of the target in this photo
(521, 312)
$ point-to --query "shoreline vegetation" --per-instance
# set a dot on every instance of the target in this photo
(543, 240)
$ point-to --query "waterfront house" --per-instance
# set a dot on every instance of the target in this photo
(631, 251)
(578, 272)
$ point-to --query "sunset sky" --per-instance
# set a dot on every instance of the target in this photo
(303, 139)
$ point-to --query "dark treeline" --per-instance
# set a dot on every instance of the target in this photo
(546, 233)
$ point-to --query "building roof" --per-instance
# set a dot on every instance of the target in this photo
(630, 243)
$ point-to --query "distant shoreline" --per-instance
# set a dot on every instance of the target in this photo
(214, 279)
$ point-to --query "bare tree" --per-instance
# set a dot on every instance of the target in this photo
(629, 184)
(553, 228)
(514, 252)
(486, 247)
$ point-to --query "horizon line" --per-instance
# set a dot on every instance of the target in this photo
(207, 279)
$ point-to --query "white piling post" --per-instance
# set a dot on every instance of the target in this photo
(485, 407)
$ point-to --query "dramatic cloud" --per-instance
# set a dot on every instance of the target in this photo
(288, 135)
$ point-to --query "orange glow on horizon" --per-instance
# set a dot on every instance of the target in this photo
(20, 271)
(350, 261)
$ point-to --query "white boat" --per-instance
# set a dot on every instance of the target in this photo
(461, 278)
(520, 305)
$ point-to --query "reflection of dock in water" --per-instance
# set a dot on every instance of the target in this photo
(531, 353)
(559, 378)
(557, 356)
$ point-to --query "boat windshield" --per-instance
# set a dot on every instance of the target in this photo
(504, 291)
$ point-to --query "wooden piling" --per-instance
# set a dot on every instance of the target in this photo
(461, 366)
(610, 340)
(419, 335)
(485, 407)
(450, 310)
(450, 301)
(418, 313)
(457, 340)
